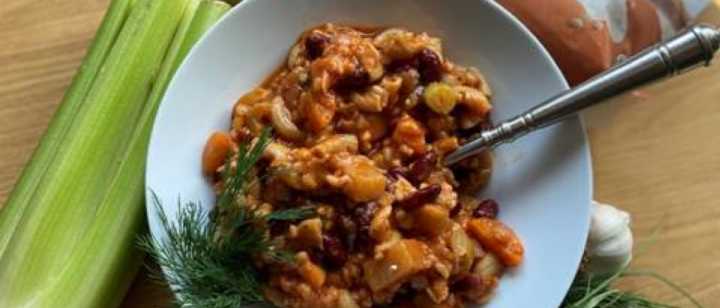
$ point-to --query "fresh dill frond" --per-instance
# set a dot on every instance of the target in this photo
(290, 214)
(590, 291)
(199, 269)
(282, 256)
(208, 256)
(235, 177)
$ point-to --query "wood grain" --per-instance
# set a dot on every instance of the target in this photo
(656, 153)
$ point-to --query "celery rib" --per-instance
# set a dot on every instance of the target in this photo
(52, 140)
(122, 211)
(99, 268)
(126, 215)
(65, 203)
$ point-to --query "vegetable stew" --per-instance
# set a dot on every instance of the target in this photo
(362, 119)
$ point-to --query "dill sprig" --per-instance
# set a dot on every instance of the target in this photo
(234, 179)
(590, 291)
(290, 214)
(208, 257)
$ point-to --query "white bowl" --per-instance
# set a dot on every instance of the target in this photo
(542, 181)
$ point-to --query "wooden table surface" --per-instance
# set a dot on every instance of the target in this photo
(655, 154)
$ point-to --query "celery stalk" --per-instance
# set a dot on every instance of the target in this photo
(208, 12)
(43, 155)
(101, 269)
(65, 203)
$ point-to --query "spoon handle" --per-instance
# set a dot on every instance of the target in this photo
(683, 52)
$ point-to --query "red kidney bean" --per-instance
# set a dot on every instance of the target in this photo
(396, 173)
(402, 65)
(421, 168)
(456, 210)
(420, 197)
(429, 65)
(363, 215)
(466, 283)
(335, 254)
(487, 208)
(358, 79)
(315, 45)
(316, 256)
(278, 227)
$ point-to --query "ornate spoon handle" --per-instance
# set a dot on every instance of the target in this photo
(683, 52)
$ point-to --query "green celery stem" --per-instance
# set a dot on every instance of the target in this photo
(65, 205)
(118, 214)
(74, 99)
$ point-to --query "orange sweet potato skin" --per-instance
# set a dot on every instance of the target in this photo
(216, 150)
(583, 47)
(498, 239)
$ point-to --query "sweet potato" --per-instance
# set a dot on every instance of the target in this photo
(216, 151)
(498, 239)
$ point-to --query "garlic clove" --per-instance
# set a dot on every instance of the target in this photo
(610, 240)
(620, 245)
(607, 221)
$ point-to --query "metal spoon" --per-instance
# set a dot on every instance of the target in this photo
(683, 52)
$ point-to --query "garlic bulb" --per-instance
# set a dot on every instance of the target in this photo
(610, 241)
